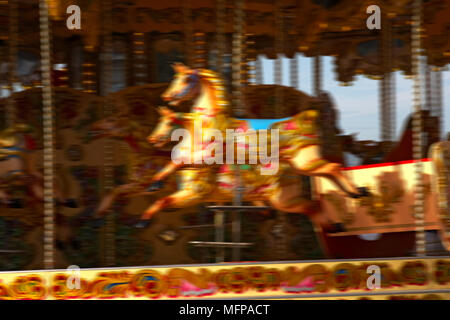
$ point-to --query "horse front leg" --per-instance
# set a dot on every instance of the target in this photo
(178, 199)
(308, 161)
(312, 210)
(4, 198)
(36, 189)
(109, 198)
(160, 176)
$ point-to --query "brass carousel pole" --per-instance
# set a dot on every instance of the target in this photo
(317, 75)
(219, 215)
(294, 72)
(237, 57)
(220, 35)
(139, 59)
(199, 48)
(428, 88)
(188, 43)
(108, 153)
(437, 110)
(417, 129)
(48, 136)
(259, 79)
(438, 103)
(238, 110)
(278, 60)
(89, 68)
(281, 244)
(250, 59)
(10, 116)
(391, 83)
(387, 96)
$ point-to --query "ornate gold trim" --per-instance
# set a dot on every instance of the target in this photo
(440, 155)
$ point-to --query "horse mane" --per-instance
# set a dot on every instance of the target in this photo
(217, 86)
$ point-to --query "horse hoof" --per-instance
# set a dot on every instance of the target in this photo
(269, 214)
(71, 203)
(75, 244)
(98, 222)
(142, 224)
(155, 186)
(335, 228)
(60, 245)
(15, 203)
(363, 192)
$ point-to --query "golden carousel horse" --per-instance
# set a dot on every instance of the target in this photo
(195, 181)
(300, 146)
(209, 107)
(18, 167)
(198, 183)
(215, 183)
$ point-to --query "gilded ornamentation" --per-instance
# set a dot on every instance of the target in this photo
(440, 154)
(380, 204)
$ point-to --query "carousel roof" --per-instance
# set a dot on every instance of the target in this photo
(313, 27)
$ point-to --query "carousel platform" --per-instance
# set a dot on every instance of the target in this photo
(399, 278)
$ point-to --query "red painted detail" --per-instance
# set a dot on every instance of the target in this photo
(30, 143)
(132, 142)
(385, 164)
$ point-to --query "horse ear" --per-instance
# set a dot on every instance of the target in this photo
(164, 111)
(179, 67)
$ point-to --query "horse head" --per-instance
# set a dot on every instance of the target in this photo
(16, 136)
(185, 85)
(163, 130)
(114, 126)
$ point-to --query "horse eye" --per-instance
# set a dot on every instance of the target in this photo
(189, 80)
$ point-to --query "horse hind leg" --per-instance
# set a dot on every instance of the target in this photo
(332, 171)
(107, 201)
(317, 217)
(7, 201)
(180, 198)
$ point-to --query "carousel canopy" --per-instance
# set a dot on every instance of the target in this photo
(313, 27)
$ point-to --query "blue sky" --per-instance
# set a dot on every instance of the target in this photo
(357, 104)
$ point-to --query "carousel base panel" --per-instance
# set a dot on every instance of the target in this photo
(387, 278)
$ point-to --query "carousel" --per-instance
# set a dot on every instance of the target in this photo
(94, 204)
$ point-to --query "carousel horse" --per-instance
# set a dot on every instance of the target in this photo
(18, 168)
(203, 183)
(216, 182)
(300, 147)
(210, 106)
(198, 183)
(206, 90)
(139, 167)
